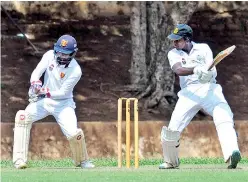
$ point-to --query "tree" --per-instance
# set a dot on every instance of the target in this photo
(151, 75)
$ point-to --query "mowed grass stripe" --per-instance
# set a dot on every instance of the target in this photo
(192, 173)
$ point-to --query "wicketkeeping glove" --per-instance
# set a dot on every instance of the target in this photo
(34, 88)
(42, 93)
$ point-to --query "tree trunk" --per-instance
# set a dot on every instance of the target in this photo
(150, 26)
(138, 36)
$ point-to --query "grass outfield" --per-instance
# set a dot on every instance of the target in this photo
(191, 169)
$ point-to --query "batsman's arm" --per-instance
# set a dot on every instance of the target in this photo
(67, 86)
(176, 65)
(40, 68)
(182, 71)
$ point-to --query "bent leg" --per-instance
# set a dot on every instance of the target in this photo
(78, 148)
(183, 113)
(67, 120)
(185, 110)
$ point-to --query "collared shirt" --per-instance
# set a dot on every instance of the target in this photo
(60, 80)
(200, 54)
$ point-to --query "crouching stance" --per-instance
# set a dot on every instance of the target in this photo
(54, 97)
(190, 61)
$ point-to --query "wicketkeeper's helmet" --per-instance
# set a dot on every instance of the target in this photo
(65, 49)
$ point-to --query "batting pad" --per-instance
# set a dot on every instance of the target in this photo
(21, 136)
(78, 148)
(170, 144)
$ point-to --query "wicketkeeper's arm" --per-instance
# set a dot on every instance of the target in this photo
(40, 69)
(67, 86)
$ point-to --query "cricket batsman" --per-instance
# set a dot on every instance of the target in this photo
(199, 90)
(53, 97)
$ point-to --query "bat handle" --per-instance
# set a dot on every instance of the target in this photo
(210, 67)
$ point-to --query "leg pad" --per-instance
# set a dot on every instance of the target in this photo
(78, 148)
(170, 144)
(22, 129)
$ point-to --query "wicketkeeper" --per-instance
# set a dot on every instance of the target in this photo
(199, 90)
(54, 97)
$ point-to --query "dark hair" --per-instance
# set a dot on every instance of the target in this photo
(187, 38)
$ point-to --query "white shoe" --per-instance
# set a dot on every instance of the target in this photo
(166, 165)
(20, 164)
(87, 164)
(234, 159)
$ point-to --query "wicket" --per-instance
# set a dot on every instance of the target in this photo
(136, 132)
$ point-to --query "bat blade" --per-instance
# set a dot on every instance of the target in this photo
(221, 56)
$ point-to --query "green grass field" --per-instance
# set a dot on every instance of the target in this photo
(191, 170)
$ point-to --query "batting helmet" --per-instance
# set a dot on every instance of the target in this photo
(65, 49)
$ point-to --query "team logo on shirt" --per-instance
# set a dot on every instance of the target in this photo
(183, 61)
(79, 137)
(51, 67)
(200, 59)
(62, 75)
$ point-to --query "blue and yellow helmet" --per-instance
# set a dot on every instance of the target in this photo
(66, 45)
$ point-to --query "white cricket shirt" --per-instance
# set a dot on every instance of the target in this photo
(200, 54)
(60, 80)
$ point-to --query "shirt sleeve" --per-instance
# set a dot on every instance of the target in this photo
(173, 58)
(40, 69)
(67, 86)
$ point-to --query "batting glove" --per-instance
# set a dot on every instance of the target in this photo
(203, 74)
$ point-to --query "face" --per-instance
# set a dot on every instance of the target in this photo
(62, 55)
(63, 58)
(179, 44)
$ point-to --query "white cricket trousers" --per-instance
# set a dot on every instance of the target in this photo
(210, 98)
(62, 110)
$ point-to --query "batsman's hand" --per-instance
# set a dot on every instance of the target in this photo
(203, 74)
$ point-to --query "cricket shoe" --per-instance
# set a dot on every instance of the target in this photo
(166, 165)
(20, 164)
(87, 164)
(234, 159)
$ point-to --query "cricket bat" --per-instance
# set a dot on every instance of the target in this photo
(221, 56)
